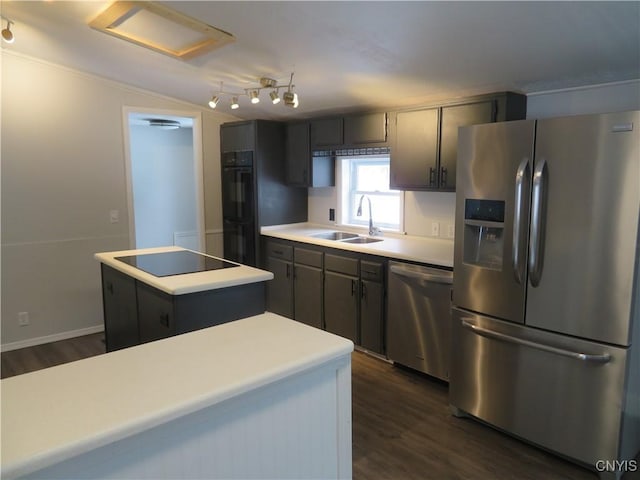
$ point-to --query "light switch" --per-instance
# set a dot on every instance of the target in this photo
(114, 216)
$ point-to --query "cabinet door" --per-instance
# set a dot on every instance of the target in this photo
(341, 305)
(371, 316)
(326, 132)
(280, 289)
(155, 313)
(236, 137)
(298, 153)
(308, 295)
(452, 118)
(365, 129)
(415, 153)
(120, 309)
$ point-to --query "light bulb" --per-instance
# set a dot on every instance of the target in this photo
(213, 103)
(254, 96)
(234, 103)
(274, 97)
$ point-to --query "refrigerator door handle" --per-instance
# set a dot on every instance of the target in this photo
(522, 179)
(585, 357)
(538, 206)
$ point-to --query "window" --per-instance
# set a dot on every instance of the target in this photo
(369, 176)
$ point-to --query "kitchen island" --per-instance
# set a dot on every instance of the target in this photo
(154, 293)
(261, 397)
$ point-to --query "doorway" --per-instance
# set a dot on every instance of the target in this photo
(164, 178)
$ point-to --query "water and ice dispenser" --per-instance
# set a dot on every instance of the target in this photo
(484, 233)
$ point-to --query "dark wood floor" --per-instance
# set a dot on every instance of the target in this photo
(402, 428)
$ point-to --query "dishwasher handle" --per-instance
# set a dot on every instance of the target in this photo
(445, 277)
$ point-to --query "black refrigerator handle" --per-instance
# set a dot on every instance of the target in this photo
(538, 214)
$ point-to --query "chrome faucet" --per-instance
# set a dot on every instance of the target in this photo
(372, 230)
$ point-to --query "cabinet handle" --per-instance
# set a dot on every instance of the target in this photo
(443, 176)
(164, 319)
(288, 270)
(353, 288)
(432, 174)
(278, 252)
(363, 292)
(304, 175)
(110, 288)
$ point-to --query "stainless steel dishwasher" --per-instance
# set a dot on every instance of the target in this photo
(419, 317)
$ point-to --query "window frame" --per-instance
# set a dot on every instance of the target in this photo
(346, 181)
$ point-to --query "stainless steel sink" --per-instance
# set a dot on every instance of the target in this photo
(335, 235)
(362, 240)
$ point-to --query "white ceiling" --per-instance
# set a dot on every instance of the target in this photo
(350, 55)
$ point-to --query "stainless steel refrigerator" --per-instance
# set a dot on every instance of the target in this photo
(546, 329)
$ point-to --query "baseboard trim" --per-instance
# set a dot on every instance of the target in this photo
(32, 342)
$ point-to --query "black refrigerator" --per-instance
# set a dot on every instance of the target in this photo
(254, 189)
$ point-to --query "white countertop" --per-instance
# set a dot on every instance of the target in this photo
(434, 251)
(188, 282)
(54, 414)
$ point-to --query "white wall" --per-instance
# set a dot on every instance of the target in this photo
(163, 180)
(424, 208)
(63, 170)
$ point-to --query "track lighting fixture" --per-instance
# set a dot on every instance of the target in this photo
(7, 34)
(290, 98)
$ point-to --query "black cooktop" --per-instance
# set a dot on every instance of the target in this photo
(166, 264)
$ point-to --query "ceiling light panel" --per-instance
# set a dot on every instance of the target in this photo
(160, 28)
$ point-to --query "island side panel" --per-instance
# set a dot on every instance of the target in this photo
(213, 307)
(297, 427)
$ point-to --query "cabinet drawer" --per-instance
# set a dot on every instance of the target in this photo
(279, 250)
(346, 265)
(308, 257)
(373, 271)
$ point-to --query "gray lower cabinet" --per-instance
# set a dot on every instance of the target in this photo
(341, 292)
(155, 314)
(135, 312)
(308, 286)
(280, 289)
(372, 302)
(120, 308)
(341, 304)
(354, 299)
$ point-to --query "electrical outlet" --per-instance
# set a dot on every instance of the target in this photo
(435, 229)
(450, 230)
(114, 216)
(23, 319)
(332, 214)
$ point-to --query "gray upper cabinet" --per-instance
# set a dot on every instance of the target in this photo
(451, 119)
(237, 137)
(424, 151)
(297, 153)
(303, 169)
(365, 129)
(414, 156)
(326, 133)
